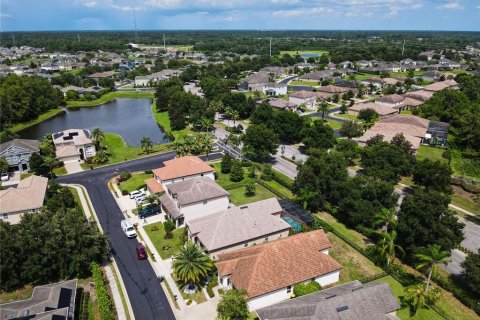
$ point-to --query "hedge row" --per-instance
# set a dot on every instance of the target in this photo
(103, 300)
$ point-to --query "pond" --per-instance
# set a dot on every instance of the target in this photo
(130, 118)
(309, 55)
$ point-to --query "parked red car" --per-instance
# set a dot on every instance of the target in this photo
(141, 252)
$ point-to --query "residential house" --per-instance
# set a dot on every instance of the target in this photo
(193, 198)
(282, 104)
(269, 271)
(437, 86)
(73, 145)
(379, 108)
(317, 75)
(308, 98)
(274, 89)
(239, 227)
(346, 64)
(393, 101)
(99, 75)
(28, 196)
(17, 152)
(428, 54)
(353, 300)
(181, 169)
(277, 71)
(363, 64)
(54, 301)
(420, 95)
(193, 88)
(331, 65)
(256, 81)
(331, 89)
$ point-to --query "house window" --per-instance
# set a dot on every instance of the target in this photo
(5, 216)
(289, 289)
(266, 238)
(205, 201)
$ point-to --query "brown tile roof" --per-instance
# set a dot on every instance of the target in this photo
(437, 86)
(196, 190)
(29, 194)
(333, 89)
(277, 264)
(302, 94)
(391, 98)
(380, 109)
(420, 95)
(182, 167)
(154, 186)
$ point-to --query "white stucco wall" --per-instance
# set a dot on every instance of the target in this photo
(310, 102)
(199, 209)
(278, 91)
(169, 181)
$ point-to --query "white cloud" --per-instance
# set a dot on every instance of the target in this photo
(288, 13)
(453, 5)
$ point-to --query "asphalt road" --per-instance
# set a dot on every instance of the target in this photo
(144, 290)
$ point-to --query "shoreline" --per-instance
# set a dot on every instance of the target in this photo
(108, 97)
(41, 118)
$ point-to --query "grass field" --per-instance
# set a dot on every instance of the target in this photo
(466, 204)
(45, 116)
(164, 122)
(295, 52)
(355, 265)
(346, 116)
(108, 97)
(350, 234)
(238, 197)
(19, 294)
(77, 198)
(135, 182)
(157, 238)
(432, 153)
(332, 123)
(303, 83)
(280, 188)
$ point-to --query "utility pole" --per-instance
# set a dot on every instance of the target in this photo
(270, 47)
(135, 25)
(78, 37)
(403, 49)
(13, 38)
(164, 46)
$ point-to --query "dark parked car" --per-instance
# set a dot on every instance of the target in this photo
(141, 252)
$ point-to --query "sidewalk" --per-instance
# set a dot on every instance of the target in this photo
(109, 269)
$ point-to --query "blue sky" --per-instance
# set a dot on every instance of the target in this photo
(21, 15)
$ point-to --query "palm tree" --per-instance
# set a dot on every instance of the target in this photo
(206, 124)
(50, 163)
(323, 108)
(97, 136)
(217, 106)
(305, 196)
(430, 258)
(234, 115)
(191, 265)
(146, 144)
(386, 218)
(418, 297)
(371, 87)
(189, 144)
(234, 140)
(228, 114)
(179, 147)
(386, 247)
(206, 144)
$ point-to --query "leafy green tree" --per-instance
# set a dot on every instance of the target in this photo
(385, 161)
(349, 148)
(236, 173)
(191, 265)
(424, 220)
(7, 135)
(430, 258)
(400, 141)
(471, 272)
(433, 175)
(351, 129)
(250, 188)
(259, 142)
(226, 164)
(4, 166)
(318, 136)
(50, 163)
(417, 297)
(387, 248)
(97, 136)
(369, 116)
(286, 125)
(146, 144)
(262, 114)
(233, 305)
(37, 164)
(252, 172)
(343, 108)
(101, 156)
(267, 172)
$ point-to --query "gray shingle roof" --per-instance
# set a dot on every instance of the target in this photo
(351, 301)
(196, 190)
(238, 224)
(30, 145)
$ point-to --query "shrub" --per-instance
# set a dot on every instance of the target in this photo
(210, 292)
(103, 300)
(169, 225)
(189, 302)
(250, 188)
(124, 192)
(148, 172)
(252, 172)
(168, 235)
(306, 288)
(236, 173)
(267, 172)
(124, 176)
(154, 228)
(226, 164)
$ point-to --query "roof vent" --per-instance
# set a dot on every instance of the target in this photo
(343, 308)
(243, 207)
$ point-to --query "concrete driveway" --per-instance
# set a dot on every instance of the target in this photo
(72, 166)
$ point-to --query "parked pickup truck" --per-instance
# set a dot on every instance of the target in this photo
(128, 229)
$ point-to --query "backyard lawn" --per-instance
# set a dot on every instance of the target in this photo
(280, 188)
(165, 247)
(238, 197)
(303, 83)
(332, 123)
(432, 153)
(108, 97)
(355, 265)
(135, 182)
(346, 116)
(350, 234)
(164, 122)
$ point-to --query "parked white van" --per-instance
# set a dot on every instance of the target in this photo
(128, 229)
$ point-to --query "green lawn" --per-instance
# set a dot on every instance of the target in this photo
(110, 96)
(350, 234)
(135, 182)
(164, 122)
(303, 83)
(355, 265)
(198, 296)
(432, 153)
(238, 197)
(406, 112)
(466, 204)
(295, 52)
(26, 175)
(45, 116)
(332, 123)
(60, 171)
(224, 178)
(346, 116)
(404, 313)
(119, 151)
(165, 247)
(280, 188)
(467, 167)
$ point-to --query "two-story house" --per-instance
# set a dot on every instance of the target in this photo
(73, 145)
(17, 152)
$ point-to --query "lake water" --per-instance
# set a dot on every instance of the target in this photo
(130, 118)
(309, 55)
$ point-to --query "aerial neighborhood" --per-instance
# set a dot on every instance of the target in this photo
(243, 175)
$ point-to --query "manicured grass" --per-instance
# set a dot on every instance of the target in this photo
(157, 238)
(350, 234)
(224, 178)
(198, 296)
(406, 112)
(355, 265)
(119, 151)
(19, 294)
(467, 167)
(280, 188)
(346, 116)
(26, 175)
(432, 153)
(332, 123)
(404, 313)
(466, 204)
(45, 116)
(170, 293)
(60, 171)
(110, 96)
(303, 83)
(295, 52)
(238, 197)
(135, 182)
(164, 122)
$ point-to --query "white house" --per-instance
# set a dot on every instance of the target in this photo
(183, 168)
(278, 266)
(239, 227)
(309, 98)
(274, 89)
(73, 145)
